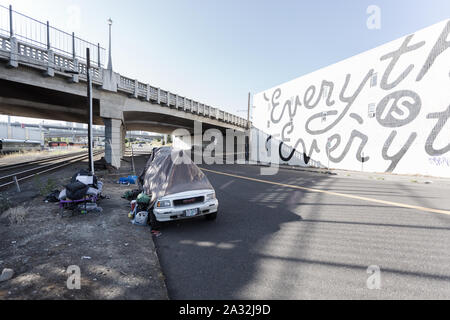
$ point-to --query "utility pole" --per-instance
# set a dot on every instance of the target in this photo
(89, 95)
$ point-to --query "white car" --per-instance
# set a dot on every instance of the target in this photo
(187, 205)
(177, 187)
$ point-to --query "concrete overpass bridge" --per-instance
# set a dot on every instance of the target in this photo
(37, 79)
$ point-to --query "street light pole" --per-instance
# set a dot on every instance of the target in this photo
(110, 22)
(89, 94)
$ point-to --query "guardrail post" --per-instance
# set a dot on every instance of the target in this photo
(11, 30)
(14, 57)
(136, 88)
(99, 64)
(74, 56)
(159, 96)
(75, 77)
(48, 35)
(176, 101)
(168, 98)
(184, 104)
(50, 64)
(50, 55)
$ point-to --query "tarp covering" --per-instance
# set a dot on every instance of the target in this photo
(170, 171)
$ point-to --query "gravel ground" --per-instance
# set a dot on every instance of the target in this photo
(117, 260)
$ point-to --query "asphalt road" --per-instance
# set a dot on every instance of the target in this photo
(273, 241)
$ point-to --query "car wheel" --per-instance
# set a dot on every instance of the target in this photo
(154, 223)
(211, 217)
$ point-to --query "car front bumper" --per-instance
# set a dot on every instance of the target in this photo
(179, 213)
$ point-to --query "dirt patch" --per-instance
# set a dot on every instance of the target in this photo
(117, 260)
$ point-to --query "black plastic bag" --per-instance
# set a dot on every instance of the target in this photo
(76, 190)
(53, 197)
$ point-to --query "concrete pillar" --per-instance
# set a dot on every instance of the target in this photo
(75, 77)
(110, 80)
(113, 143)
(50, 72)
(14, 58)
(123, 131)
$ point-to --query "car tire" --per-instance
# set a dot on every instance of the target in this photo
(154, 223)
(211, 217)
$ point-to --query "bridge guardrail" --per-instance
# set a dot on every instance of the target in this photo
(37, 44)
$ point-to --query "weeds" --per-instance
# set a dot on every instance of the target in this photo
(16, 215)
(5, 204)
(45, 188)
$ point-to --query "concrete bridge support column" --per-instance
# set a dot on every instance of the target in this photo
(114, 140)
(123, 132)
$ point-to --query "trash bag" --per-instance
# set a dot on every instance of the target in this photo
(84, 172)
(143, 199)
(131, 195)
(53, 197)
(76, 190)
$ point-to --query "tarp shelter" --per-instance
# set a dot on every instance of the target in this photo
(170, 171)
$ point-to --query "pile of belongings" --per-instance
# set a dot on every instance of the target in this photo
(139, 210)
(82, 185)
(128, 180)
(131, 195)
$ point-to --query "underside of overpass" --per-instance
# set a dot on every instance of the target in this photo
(25, 92)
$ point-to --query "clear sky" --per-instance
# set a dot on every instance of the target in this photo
(218, 51)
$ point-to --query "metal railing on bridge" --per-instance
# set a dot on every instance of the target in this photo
(30, 42)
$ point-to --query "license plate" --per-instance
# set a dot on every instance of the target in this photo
(191, 212)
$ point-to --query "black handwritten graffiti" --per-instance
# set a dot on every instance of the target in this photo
(442, 121)
(306, 158)
(441, 45)
(287, 105)
(408, 110)
(395, 159)
(335, 141)
(349, 100)
(268, 149)
(395, 57)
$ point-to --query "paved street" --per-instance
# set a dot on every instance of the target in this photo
(275, 241)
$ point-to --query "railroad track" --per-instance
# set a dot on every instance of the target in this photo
(39, 161)
(39, 167)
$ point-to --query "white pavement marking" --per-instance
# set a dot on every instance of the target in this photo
(343, 195)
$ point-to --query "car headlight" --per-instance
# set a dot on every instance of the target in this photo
(210, 196)
(164, 204)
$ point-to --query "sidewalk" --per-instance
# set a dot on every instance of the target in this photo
(414, 179)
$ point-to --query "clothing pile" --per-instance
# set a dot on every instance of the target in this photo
(82, 185)
(139, 210)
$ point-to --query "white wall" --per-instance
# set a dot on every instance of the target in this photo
(410, 97)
